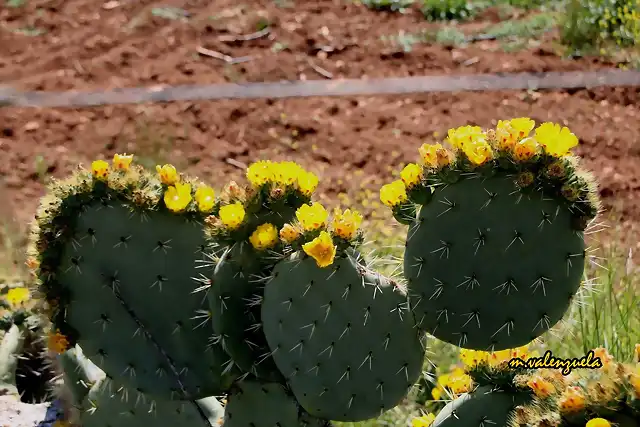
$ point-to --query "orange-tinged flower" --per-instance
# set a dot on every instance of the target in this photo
(289, 233)
(345, 224)
(57, 342)
(525, 149)
(321, 249)
(122, 161)
(571, 400)
(429, 154)
(541, 387)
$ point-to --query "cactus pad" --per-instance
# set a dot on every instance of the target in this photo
(235, 306)
(342, 336)
(481, 407)
(260, 404)
(118, 269)
(495, 254)
(105, 402)
(491, 267)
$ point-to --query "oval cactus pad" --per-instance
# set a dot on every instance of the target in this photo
(496, 252)
(342, 336)
(120, 254)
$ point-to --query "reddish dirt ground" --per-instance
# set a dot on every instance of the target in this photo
(90, 45)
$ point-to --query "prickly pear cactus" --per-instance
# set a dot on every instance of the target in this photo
(342, 334)
(496, 253)
(102, 402)
(119, 252)
(483, 406)
(261, 404)
(248, 229)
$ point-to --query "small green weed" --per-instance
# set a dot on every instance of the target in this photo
(391, 5)
(601, 24)
(448, 10)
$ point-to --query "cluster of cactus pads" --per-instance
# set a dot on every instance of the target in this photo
(166, 299)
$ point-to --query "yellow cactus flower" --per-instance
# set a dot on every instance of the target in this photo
(636, 352)
(17, 296)
(177, 197)
(232, 215)
(509, 132)
(168, 174)
(525, 149)
(571, 400)
(541, 387)
(100, 169)
(289, 233)
(522, 126)
(423, 421)
(443, 380)
(261, 172)
(472, 358)
(205, 198)
(604, 356)
(122, 161)
(393, 194)
(498, 357)
(411, 175)
(429, 154)
(286, 173)
(312, 216)
(57, 342)
(321, 249)
(557, 141)
(345, 224)
(460, 382)
(307, 182)
(521, 352)
(463, 135)
(436, 393)
(598, 422)
(264, 237)
(478, 151)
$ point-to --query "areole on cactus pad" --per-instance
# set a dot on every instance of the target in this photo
(496, 252)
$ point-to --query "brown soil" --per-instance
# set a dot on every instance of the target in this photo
(354, 143)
